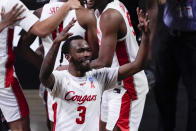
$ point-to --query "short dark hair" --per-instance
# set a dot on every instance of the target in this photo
(66, 45)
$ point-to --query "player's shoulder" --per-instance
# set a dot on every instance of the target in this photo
(85, 16)
(85, 13)
(60, 73)
(111, 14)
(96, 72)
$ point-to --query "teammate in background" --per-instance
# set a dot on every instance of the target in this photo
(80, 89)
(10, 17)
(12, 101)
(123, 105)
(85, 27)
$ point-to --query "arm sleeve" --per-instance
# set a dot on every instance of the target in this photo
(58, 90)
(29, 20)
(108, 77)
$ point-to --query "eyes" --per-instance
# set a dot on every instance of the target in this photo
(81, 50)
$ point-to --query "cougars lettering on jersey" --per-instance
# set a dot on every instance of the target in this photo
(71, 96)
(126, 51)
(79, 104)
(49, 10)
(7, 57)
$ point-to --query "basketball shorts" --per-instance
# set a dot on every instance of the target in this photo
(118, 108)
(12, 102)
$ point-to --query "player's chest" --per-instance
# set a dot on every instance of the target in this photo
(82, 92)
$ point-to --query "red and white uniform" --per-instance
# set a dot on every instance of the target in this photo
(47, 11)
(80, 98)
(12, 100)
(117, 105)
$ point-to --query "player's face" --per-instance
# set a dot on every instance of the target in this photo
(90, 4)
(81, 54)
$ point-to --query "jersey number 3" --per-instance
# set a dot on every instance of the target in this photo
(82, 115)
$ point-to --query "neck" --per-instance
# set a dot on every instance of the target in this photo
(74, 71)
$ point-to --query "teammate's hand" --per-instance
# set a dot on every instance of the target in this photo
(143, 21)
(74, 4)
(13, 15)
(64, 34)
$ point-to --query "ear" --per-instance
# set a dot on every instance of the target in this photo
(68, 57)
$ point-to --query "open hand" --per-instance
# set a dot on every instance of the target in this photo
(13, 15)
(143, 21)
(64, 34)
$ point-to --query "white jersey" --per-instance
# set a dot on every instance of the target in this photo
(7, 57)
(47, 11)
(80, 98)
(126, 51)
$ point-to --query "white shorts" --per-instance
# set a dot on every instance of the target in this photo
(13, 103)
(117, 108)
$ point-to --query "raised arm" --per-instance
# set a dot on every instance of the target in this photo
(46, 76)
(140, 61)
(87, 20)
(11, 17)
(110, 24)
(45, 27)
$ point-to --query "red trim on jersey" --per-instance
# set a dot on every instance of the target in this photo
(23, 106)
(123, 58)
(54, 107)
(11, 59)
(123, 121)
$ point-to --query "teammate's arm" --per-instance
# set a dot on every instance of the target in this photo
(109, 24)
(45, 27)
(139, 63)
(11, 17)
(24, 43)
(87, 20)
(46, 76)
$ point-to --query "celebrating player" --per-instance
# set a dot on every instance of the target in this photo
(12, 101)
(85, 26)
(78, 88)
(123, 105)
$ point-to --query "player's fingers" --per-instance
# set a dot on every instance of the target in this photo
(71, 23)
(20, 12)
(2, 11)
(20, 18)
(14, 7)
(137, 10)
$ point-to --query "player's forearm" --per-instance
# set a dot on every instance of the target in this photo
(45, 27)
(139, 63)
(48, 63)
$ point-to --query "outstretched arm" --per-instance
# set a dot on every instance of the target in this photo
(45, 27)
(11, 17)
(139, 63)
(46, 76)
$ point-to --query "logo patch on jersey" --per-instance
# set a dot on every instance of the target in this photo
(91, 80)
(70, 96)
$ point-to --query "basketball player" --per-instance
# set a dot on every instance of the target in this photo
(78, 88)
(85, 26)
(10, 17)
(12, 101)
(123, 105)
